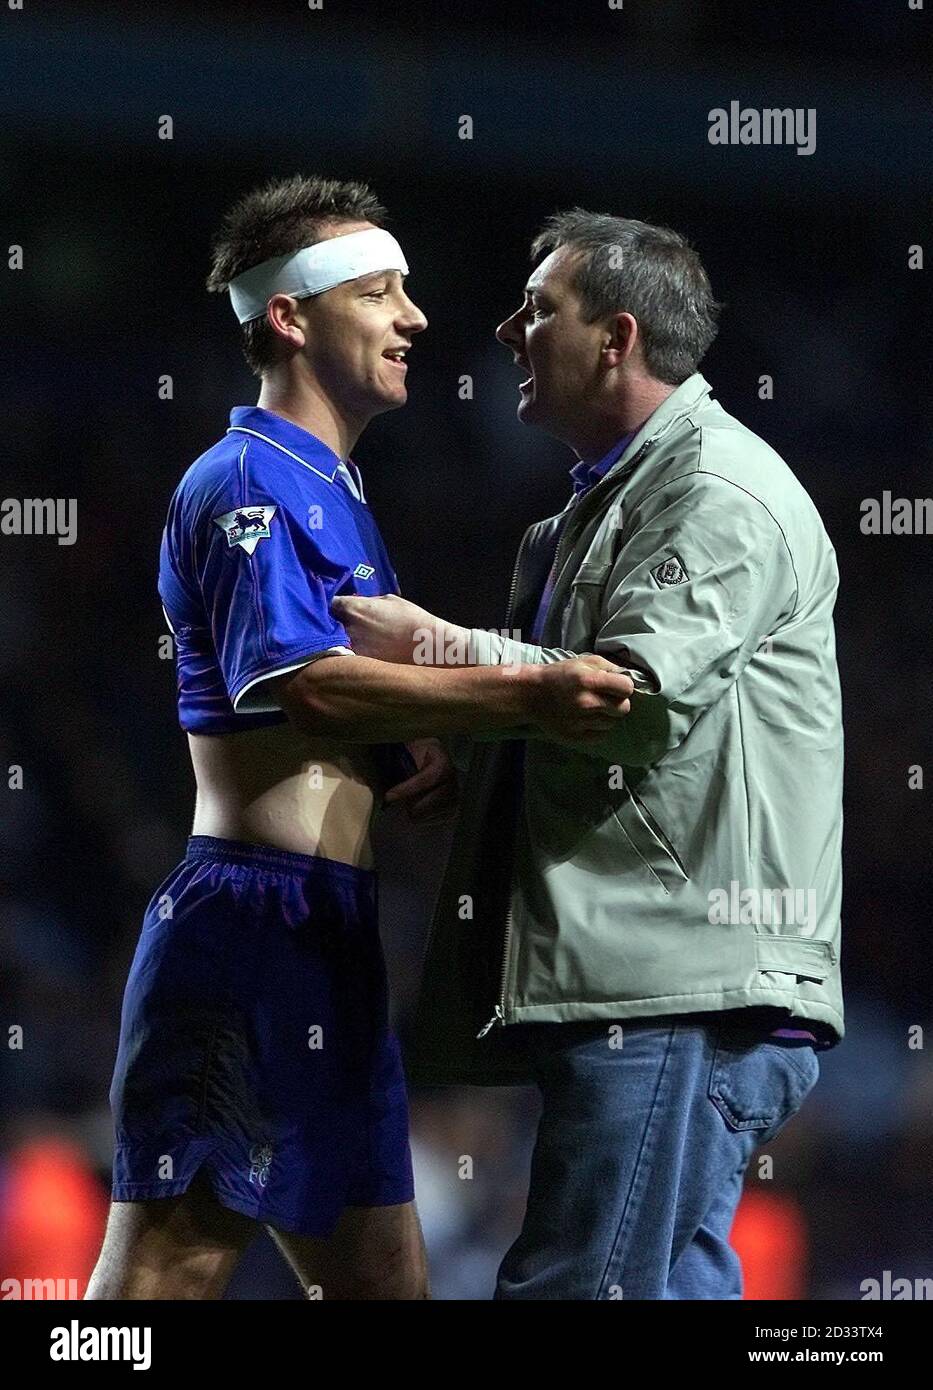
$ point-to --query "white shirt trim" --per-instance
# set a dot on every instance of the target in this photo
(241, 429)
(352, 482)
(357, 478)
(269, 706)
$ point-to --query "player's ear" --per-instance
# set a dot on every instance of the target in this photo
(286, 317)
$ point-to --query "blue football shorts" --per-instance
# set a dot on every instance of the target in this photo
(255, 1042)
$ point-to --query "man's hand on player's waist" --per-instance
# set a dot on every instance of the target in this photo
(431, 793)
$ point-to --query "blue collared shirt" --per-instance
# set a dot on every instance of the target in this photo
(264, 529)
(584, 477)
(587, 475)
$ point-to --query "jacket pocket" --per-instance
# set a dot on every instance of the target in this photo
(807, 958)
(649, 842)
(591, 572)
(580, 612)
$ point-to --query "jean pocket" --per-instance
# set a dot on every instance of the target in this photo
(758, 1086)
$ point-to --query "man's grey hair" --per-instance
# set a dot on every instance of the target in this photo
(650, 272)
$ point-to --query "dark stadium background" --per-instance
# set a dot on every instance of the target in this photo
(572, 103)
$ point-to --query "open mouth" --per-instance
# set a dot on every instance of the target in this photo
(396, 356)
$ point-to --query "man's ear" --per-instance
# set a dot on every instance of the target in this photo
(622, 339)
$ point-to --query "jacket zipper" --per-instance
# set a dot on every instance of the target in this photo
(498, 1018)
(514, 583)
(585, 507)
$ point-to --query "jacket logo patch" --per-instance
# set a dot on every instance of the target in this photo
(670, 571)
(246, 526)
(363, 572)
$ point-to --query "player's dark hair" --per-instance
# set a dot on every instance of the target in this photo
(281, 217)
(650, 272)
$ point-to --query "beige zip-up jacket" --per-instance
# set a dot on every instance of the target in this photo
(692, 860)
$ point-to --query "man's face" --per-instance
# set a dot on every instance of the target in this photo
(560, 352)
(356, 336)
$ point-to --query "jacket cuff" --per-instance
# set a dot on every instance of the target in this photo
(492, 649)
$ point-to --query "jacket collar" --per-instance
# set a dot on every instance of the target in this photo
(587, 475)
(684, 398)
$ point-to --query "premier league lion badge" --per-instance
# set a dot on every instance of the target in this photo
(246, 526)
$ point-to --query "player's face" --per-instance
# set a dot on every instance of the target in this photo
(359, 333)
(559, 353)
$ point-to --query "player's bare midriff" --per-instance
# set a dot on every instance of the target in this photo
(272, 786)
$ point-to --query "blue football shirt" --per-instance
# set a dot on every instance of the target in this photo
(262, 531)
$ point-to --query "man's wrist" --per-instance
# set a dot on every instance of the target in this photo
(522, 684)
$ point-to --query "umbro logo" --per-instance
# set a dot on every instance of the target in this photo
(364, 572)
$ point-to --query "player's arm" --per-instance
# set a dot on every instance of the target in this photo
(684, 634)
(703, 576)
(364, 700)
(391, 628)
(280, 644)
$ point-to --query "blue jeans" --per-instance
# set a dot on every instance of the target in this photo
(640, 1154)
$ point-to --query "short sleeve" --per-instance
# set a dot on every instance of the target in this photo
(267, 587)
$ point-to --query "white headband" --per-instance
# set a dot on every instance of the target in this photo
(315, 269)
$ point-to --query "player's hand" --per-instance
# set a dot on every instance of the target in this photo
(432, 792)
(580, 701)
(389, 628)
